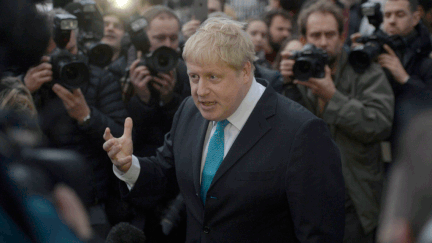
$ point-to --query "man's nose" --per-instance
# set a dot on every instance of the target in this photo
(167, 42)
(323, 42)
(202, 89)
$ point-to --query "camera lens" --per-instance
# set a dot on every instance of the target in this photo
(71, 73)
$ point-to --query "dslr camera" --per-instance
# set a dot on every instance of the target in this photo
(162, 59)
(91, 26)
(71, 71)
(309, 63)
(361, 57)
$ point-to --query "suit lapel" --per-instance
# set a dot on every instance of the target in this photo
(255, 127)
(197, 151)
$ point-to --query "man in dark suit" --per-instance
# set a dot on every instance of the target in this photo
(252, 165)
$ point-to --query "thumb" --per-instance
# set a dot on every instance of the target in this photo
(327, 70)
(389, 50)
(107, 134)
(128, 128)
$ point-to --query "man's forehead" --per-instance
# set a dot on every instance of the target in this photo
(164, 18)
(396, 5)
(327, 23)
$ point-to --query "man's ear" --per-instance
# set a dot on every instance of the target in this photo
(302, 40)
(247, 71)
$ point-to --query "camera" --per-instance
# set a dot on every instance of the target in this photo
(309, 63)
(361, 57)
(91, 26)
(71, 71)
(163, 59)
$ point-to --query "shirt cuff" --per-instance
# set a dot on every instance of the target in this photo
(131, 176)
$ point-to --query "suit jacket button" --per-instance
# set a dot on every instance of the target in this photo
(206, 229)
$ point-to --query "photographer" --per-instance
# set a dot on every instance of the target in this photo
(409, 68)
(358, 108)
(156, 96)
(114, 32)
(72, 117)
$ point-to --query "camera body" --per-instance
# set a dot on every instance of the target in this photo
(310, 62)
(90, 22)
(71, 71)
(361, 56)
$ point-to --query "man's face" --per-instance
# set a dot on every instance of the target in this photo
(398, 19)
(258, 32)
(163, 31)
(113, 32)
(280, 29)
(214, 6)
(322, 31)
(217, 89)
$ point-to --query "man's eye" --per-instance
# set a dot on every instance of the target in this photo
(213, 77)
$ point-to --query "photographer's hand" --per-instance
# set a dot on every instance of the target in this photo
(354, 37)
(190, 28)
(286, 66)
(75, 103)
(120, 149)
(393, 64)
(165, 83)
(36, 76)
(324, 88)
(140, 76)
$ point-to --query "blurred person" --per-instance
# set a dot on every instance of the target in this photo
(14, 95)
(406, 212)
(425, 8)
(257, 30)
(213, 6)
(280, 26)
(408, 69)
(284, 65)
(357, 107)
(114, 33)
(72, 119)
(267, 185)
(248, 8)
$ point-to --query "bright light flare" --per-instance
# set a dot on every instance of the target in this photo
(121, 4)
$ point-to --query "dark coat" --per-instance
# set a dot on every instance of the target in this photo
(281, 181)
(418, 65)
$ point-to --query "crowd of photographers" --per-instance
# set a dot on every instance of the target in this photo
(364, 67)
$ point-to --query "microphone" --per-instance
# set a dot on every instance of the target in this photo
(125, 233)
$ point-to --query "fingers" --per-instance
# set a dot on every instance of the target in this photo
(133, 66)
(45, 59)
(389, 50)
(107, 134)
(109, 144)
(62, 92)
(127, 133)
(113, 151)
(286, 54)
(354, 37)
(305, 83)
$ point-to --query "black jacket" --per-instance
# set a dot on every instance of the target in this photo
(418, 65)
(103, 96)
(152, 121)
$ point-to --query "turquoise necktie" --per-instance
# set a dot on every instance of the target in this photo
(214, 157)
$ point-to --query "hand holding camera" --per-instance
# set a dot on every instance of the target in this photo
(392, 62)
(38, 75)
(324, 88)
(74, 102)
(286, 66)
(140, 77)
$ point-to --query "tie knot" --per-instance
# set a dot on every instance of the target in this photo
(222, 124)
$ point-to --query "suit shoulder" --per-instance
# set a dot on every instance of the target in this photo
(293, 111)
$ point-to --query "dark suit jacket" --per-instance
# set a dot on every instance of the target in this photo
(281, 181)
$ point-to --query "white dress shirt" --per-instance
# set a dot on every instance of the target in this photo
(231, 131)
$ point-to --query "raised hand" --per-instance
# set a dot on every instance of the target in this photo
(36, 76)
(74, 102)
(120, 149)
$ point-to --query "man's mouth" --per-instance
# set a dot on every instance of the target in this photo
(207, 103)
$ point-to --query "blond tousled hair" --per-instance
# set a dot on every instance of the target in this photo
(220, 41)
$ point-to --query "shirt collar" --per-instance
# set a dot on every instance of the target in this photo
(240, 116)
